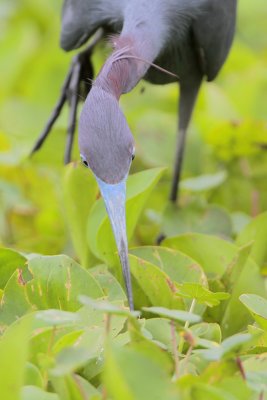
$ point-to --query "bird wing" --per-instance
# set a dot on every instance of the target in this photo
(213, 32)
(81, 18)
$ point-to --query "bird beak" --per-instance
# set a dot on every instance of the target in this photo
(114, 196)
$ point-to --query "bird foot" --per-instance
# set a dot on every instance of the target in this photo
(76, 86)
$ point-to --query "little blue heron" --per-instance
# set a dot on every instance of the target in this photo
(155, 40)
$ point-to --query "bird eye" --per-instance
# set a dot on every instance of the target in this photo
(133, 154)
(83, 159)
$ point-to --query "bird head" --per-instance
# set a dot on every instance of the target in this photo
(107, 148)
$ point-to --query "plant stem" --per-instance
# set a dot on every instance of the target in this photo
(191, 309)
(241, 368)
(186, 359)
(107, 324)
(174, 349)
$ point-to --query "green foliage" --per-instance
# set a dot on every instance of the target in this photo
(199, 329)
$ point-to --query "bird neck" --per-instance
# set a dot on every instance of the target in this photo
(129, 62)
(121, 72)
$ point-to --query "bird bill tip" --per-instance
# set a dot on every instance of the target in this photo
(114, 196)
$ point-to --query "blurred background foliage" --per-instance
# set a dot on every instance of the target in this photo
(224, 176)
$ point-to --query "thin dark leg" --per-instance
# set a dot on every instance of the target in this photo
(55, 114)
(178, 162)
(80, 67)
(74, 93)
(188, 95)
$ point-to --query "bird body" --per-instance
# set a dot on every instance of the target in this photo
(188, 38)
(178, 32)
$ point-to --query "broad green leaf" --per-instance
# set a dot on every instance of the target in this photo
(196, 217)
(69, 360)
(204, 182)
(209, 331)
(237, 387)
(69, 387)
(132, 374)
(204, 392)
(255, 369)
(108, 308)
(230, 347)
(99, 233)
(48, 282)
(177, 265)
(212, 253)
(57, 281)
(67, 340)
(14, 303)
(160, 330)
(33, 376)
(201, 294)
(34, 393)
(216, 257)
(57, 317)
(80, 193)
(10, 260)
(174, 315)
(256, 231)
(257, 306)
(156, 284)
(109, 284)
(13, 350)
(235, 316)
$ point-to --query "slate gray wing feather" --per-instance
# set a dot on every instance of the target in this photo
(81, 18)
(213, 32)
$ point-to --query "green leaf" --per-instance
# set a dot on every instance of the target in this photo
(57, 317)
(174, 315)
(160, 330)
(208, 331)
(250, 280)
(34, 393)
(216, 257)
(131, 374)
(212, 253)
(13, 350)
(204, 391)
(256, 231)
(57, 281)
(201, 294)
(156, 284)
(204, 182)
(69, 387)
(10, 260)
(109, 284)
(14, 302)
(49, 282)
(196, 217)
(108, 308)
(33, 376)
(255, 369)
(69, 360)
(99, 233)
(177, 265)
(257, 306)
(230, 347)
(80, 193)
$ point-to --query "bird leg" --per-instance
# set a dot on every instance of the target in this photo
(77, 85)
(188, 95)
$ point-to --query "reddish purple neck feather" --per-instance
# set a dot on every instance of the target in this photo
(120, 72)
(124, 68)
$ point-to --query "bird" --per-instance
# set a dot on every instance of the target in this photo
(184, 41)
